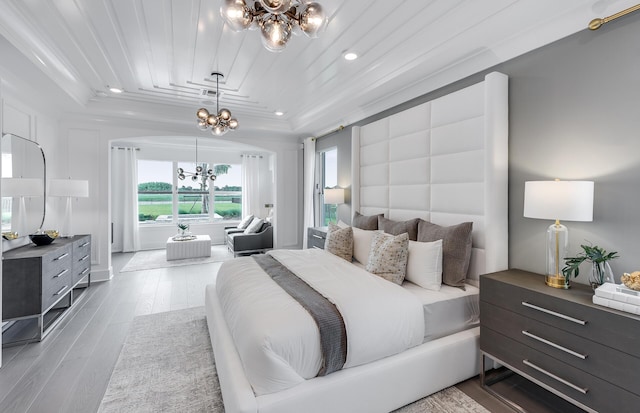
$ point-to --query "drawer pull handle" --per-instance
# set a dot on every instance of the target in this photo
(84, 271)
(553, 313)
(61, 273)
(85, 244)
(553, 376)
(552, 344)
(66, 254)
(83, 258)
(317, 236)
(61, 290)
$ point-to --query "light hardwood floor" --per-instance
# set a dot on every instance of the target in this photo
(69, 370)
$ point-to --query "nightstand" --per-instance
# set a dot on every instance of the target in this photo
(587, 354)
(316, 237)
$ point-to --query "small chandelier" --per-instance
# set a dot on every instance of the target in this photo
(220, 123)
(199, 173)
(277, 19)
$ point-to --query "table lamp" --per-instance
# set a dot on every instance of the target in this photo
(334, 196)
(558, 200)
(68, 188)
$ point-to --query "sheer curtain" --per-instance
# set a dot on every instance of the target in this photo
(124, 197)
(251, 185)
(309, 182)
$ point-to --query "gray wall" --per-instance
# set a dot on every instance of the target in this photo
(575, 115)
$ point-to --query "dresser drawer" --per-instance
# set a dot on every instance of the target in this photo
(81, 259)
(581, 386)
(609, 364)
(54, 286)
(573, 312)
(80, 271)
(316, 238)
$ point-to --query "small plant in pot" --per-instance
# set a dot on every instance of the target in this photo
(183, 227)
(599, 259)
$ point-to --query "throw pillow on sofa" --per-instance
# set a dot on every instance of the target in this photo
(255, 226)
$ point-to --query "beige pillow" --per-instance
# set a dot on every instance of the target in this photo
(339, 242)
(456, 249)
(245, 222)
(388, 256)
(362, 244)
(368, 222)
(254, 226)
(398, 227)
(424, 265)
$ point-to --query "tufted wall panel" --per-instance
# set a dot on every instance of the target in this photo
(444, 161)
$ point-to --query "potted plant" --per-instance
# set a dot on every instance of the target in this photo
(600, 269)
(183, 228)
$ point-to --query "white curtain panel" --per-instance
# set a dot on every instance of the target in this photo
(309, 182)
(251, 185)
(124, 196)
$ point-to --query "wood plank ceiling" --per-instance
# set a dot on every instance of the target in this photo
(162, 52)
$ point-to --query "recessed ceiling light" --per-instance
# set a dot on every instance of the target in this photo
(115, 90)
(350, 56)
(278, 113)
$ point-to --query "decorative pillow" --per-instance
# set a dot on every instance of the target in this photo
(398, 227)
(362, 244)
(388, 256)
(245, 222)
(424, 265)
(456, 249)
(254, 226)
(339, 242)
(368, 222)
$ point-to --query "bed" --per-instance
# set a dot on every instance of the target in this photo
(444, 161)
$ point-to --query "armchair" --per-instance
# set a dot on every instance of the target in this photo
(241, 243)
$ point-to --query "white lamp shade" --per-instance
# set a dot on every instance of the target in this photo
(22, 187)
(74, 188)
(334, 196)
(561, 200)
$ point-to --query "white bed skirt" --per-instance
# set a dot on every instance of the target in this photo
(381, 386)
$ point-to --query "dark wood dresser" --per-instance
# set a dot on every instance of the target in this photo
(316, 237)
(587, 354)
(40, 283)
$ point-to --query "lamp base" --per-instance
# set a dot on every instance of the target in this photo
(557, 281)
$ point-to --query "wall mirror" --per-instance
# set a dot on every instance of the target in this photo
(23, 186)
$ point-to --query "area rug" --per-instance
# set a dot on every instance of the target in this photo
(148, 260)
(167, 365)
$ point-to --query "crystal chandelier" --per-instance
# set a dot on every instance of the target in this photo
(199, 173)
(277, 19)
(221, 122)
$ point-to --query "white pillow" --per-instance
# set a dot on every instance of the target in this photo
(424, 265)
(255, 226)
(362, 244)
(245, 222)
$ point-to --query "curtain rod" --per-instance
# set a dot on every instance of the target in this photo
(595, 24)
(252, 156)
(331, 132)
(125, 147)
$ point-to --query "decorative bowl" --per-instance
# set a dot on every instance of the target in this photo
(9, 235)
(632, 280)
(41, 239)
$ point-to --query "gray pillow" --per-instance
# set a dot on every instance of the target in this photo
(456, 249)
(399, 227)
(339, 241)
(254, 226)
(368, 222)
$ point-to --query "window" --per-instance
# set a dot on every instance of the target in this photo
(327, 178)
(161, 195)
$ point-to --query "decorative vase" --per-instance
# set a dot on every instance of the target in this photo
(600, 273)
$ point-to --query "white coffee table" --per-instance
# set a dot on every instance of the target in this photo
(194, 248)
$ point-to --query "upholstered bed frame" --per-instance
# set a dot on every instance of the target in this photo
(444, 161)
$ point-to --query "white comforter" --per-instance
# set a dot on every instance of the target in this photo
(276, 338)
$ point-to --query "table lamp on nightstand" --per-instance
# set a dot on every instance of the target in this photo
(558, 200)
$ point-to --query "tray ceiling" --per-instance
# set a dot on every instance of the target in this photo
(162, 52)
